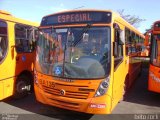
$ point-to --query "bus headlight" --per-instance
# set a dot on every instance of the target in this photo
(102, 87)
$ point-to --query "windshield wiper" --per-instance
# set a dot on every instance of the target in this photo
(85, 29)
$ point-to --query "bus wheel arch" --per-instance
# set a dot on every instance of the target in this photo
(23, 84)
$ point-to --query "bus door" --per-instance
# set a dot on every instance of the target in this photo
(5, 63)
(119, 64)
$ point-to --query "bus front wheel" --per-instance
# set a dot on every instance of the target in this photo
(22, 87)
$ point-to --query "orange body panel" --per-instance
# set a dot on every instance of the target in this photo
(154, 79)
(22, 65)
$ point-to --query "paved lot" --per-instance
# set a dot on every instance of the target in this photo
(139, 101)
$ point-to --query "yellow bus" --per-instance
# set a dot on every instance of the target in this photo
(154, 69)
(17, 51)
(85, 60)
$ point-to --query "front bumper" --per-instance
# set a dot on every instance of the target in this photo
(96, 105)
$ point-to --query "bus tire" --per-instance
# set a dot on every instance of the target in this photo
(22, 87)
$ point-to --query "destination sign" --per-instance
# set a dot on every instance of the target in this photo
(77, 18)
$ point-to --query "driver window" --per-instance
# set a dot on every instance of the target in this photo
(3, 40)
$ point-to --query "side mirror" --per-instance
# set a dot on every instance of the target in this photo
(32, 36)
(121, 40)
(120, 35)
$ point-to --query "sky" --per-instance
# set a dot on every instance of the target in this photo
(34, 10)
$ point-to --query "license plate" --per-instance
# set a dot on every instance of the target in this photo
(47, 83)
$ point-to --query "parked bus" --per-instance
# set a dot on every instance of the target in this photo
(85, 60)
(17, 51)
(154, 69)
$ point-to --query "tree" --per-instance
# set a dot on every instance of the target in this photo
(132, 19)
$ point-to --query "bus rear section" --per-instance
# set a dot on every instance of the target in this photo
(154, 69)
(80, 58)
(17, 52)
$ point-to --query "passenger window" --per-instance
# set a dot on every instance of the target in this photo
(128, 41)
(127, 36)
(3, 40)
(22, 38)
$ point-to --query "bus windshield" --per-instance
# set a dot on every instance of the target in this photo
(76, 52)
(155, 50)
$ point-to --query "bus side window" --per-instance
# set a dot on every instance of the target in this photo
(22, 38)
(3, 40)
(127, 41)
(118, 49)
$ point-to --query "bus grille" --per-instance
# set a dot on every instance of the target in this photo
(68, 93)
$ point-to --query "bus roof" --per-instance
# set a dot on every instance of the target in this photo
(4, 15)
(115, 17)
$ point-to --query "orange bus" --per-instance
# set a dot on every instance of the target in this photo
(16, 55)
(85, 60)
(154, 69)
